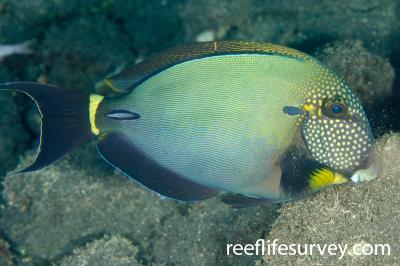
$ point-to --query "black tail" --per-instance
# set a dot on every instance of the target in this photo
(65, 120)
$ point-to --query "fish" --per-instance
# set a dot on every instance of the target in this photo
(250, 122)
(12, 49)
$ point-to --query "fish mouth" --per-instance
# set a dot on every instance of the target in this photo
(372, 167)
(367, 174)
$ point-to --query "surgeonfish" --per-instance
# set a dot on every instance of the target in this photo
(253, 122)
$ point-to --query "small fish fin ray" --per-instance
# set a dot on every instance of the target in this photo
(116, 149)
(64, 120)
(239, 201)
(127, 80)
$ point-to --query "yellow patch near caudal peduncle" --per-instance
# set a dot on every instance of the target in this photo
(94, 102)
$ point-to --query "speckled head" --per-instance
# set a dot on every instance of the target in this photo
(336, 129)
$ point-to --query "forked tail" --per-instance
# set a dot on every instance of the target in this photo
(65, 117)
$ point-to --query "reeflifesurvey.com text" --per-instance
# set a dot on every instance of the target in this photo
(273, 248)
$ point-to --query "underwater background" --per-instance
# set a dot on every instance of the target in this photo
(80, 211)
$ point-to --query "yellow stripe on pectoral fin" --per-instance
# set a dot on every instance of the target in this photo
(324, 177)
(302, 175)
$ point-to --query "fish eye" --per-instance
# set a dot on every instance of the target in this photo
(335, 107)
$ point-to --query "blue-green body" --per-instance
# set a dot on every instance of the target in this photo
(219, 120)
(261, 122)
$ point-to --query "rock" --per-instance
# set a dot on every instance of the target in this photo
(364, 213)
(305, 25)
(71, 59)
(47, 210)
(221, 17)
(115, 250)
(50, 212)
(206, 36)
(155, 25)
(370, 75)
(6, 257)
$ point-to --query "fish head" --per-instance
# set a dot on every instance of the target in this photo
(336, 129)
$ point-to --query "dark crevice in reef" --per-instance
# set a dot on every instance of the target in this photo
(26, 104)
(80, 242)
(384, 113)
(17, 256)
(394, 100)
(313, 43)
(383, 116)
(13, 247)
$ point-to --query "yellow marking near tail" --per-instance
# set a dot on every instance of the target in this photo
(94, 102)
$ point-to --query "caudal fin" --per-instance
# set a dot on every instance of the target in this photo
(65, 120)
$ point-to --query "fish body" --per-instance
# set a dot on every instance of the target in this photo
(217, 120)
(12, 49)
(255, 121)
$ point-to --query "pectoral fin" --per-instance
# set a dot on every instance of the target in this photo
(293, 110)
(302, 175)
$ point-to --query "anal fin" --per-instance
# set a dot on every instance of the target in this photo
(241, 201)
(120, 152)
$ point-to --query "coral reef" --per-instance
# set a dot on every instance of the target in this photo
(364, 213)
(115, 250)
(343, 56)
(80, 210)
(81, 198)
(6, 256)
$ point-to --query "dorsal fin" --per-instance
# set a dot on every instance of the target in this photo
(127, 80)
